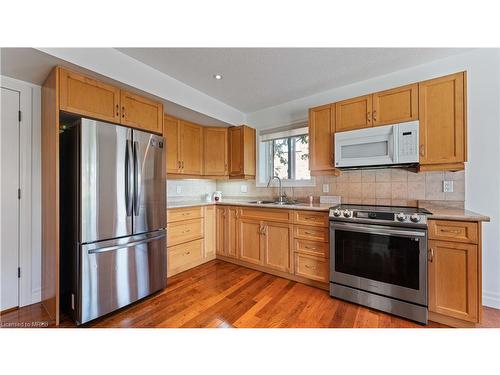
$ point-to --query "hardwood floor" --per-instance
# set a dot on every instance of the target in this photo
(224, 295)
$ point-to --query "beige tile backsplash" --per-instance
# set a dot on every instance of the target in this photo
(189, 189)
(382, 186)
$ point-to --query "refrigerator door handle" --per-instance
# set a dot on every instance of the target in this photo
(122, 246)
(128, 179)
(137, 179)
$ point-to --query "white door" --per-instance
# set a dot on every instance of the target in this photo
(9, 136)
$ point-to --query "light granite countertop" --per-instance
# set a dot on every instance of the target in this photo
(439, 211)
(235, 202)
(449, 212)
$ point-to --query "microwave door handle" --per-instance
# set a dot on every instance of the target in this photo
(395, 145)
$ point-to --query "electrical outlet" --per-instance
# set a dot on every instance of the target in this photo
(178, 189)
(447, 186)
(326, 188)
(244, 188)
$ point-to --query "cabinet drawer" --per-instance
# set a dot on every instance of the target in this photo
(312, 248)
(310, 233)
(456, 231)
(311, 218)
(311, 267)
(184, 231)
(179, 214)
(265, 214)
(180, 257)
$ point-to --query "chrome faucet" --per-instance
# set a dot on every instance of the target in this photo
(282, 196)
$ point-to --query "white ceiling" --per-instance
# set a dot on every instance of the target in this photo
(257, 78)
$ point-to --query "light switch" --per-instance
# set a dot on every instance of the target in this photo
(243, 188)
(447, 186)
(326, 188)
(179, 189)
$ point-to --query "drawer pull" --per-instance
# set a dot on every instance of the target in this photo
(455, 231)
(310, 267)
(430, 256)
(310, 218)
(310, 233)
(310, 248)
(187, 252)
(186, 231)
(186, 214)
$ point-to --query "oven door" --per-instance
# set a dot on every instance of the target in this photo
(389, 261)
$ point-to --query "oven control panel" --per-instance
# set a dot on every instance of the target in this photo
(378, 216)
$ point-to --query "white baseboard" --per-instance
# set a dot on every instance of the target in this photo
(491, 299)
(36, 295)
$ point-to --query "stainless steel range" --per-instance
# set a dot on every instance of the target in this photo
(378, 258)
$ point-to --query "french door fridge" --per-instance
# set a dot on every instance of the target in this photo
(113, 217)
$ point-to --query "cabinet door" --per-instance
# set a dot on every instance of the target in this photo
(235, 142)
(453, 280)
(442, 120)
(88, 97)
(353, 113)
(171, 133)
(232, 232)
(215, 151)
(191, 148)
(395, 105)
(277, 245)
(140, 112)
(209, 232)
(220, 225)
(321, 130)
(250, 233)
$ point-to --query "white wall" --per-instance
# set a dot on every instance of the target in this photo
(482, 169)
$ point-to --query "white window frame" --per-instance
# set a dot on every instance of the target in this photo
(264, 156)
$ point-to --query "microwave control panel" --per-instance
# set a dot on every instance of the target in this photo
(408, 142)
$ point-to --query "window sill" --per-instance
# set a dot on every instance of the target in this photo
(287, 183)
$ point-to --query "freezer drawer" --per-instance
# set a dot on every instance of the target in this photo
(118, 272)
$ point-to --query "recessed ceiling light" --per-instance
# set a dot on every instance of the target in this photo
(218, 76)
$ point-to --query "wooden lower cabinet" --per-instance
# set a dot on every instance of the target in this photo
(277, 246)
(184, 256)
(250, 234)
(454, 280)
(226, 236)
(311, 267)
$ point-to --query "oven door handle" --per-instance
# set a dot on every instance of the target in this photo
(377, 230)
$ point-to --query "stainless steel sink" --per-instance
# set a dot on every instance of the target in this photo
(277, 203)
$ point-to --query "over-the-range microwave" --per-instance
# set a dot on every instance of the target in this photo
(379, 146)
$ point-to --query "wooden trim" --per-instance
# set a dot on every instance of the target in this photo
(50, 195)
(10, 309)
(285, 275)
(449, 321)
(452, 167)
(332, 172)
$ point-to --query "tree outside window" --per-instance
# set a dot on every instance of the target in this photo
(290, 158)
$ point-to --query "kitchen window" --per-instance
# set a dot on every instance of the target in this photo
(285, 153)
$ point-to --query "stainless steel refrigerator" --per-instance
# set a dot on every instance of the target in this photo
(113, 217)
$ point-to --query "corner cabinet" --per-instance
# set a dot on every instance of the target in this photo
(442, 115)
(242, 144)
(92, 98)
(321, 141)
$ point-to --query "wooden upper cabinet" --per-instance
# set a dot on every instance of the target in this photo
(353, 113)
(241, 142)
(321, 146)
(88, 97)
(215, 152)
(454, 280)
(171, 132)
(140, 112)
(395, 105)
(191, 148)
(442, 115)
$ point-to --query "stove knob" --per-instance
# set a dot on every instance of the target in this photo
(401, 216)
(347, 213)
(415, 218)
(336, 212)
